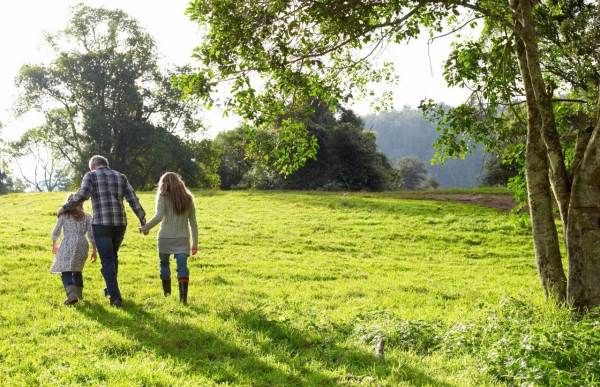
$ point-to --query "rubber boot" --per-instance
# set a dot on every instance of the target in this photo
(166, 285)
(79, 292)
(183, 290)
(71, 295)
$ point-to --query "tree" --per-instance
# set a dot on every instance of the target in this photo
(233, 164)
(105, 94)
(7, 184)
(50, 173)
(411, 174)
(305, 50)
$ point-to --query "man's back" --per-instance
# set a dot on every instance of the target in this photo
(107, 188)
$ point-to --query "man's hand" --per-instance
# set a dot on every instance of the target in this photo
(54, 248)
(93, 256)
(194, 250)
(143, 230)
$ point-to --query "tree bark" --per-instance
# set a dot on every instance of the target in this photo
(559, 177)
(545, 236)
(583, 229)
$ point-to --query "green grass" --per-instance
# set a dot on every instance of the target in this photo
(287, 289)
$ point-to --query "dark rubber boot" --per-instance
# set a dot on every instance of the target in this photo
(183, 290)
(166, 285)
(71, 295)
(79, 292)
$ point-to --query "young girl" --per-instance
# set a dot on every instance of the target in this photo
(70, 257)
(175, 208)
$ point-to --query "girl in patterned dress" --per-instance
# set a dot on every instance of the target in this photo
(72, 253)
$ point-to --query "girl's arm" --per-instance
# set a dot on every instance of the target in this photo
(56, 234)
(158, 217)
(194, 227)
(90, 236)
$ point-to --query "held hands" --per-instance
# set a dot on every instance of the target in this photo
(142, 227)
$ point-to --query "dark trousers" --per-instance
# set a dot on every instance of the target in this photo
(71, 278)
(108, 240)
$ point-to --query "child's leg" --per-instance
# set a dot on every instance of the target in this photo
(68, 283)
(78, 282)
(67, 278)
(183, 276)
(165, 273)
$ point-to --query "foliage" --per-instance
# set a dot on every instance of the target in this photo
(516, 343)
(104, 94)
(281, 57)
(346, 159)
(7, 184)
(233, 165)
(49, 172)
(498, 172)
(347, 156)
(407, 133)
(277, 304)
(410, 173)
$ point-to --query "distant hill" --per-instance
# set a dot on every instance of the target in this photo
(407, 133)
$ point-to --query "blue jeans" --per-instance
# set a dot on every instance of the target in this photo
(108, 240)
(71, 278)
(182, 269)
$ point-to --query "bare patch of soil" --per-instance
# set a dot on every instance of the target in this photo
(497, 201)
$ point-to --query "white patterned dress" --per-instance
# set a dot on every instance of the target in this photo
(73, 250)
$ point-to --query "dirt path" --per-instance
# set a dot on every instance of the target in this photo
(498, 201)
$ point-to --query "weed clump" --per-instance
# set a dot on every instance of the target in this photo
(517, 343)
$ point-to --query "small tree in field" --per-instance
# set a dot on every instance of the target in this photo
(411, 174)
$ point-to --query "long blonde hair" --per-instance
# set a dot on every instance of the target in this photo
(75, 212)
(172, 186)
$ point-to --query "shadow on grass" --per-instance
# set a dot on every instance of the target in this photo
(200, 351)
(219, 359)
(299, 348)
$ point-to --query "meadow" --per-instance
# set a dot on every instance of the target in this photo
(294, 288)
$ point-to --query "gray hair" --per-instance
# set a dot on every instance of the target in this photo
(97, 160)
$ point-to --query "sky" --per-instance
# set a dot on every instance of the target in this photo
(23, 23)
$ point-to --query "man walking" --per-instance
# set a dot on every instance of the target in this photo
(107, 188)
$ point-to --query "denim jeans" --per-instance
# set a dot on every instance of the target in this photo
(108, 240)
(71, 278)
(182, 269)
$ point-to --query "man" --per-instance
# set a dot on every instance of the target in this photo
(107, 188)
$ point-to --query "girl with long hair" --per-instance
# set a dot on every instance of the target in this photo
(175, 209)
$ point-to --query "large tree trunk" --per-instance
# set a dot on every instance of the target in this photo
(583, 229)
(559, 176)
(545, 236)
(579, 201)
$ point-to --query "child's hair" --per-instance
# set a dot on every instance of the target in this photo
(75, 212)
(172, 186)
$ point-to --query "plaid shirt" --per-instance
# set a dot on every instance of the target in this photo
(107, 188)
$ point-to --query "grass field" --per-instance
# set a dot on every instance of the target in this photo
(287, 289)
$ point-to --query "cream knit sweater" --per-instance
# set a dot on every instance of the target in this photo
(173, 225)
